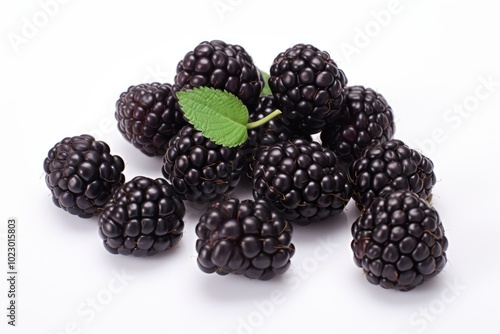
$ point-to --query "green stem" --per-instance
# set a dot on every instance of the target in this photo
(263, 120)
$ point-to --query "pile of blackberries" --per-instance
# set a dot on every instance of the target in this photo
(332, 143)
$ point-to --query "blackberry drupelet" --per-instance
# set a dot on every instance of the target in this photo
(300, 179)
(199, 169)
(82, 174)
(244, 238)
(269, 133)
(388, 167)
(222, 66)
(308, 87)
(367, 119)
(399, 241)
(144, 217)
(148, 116)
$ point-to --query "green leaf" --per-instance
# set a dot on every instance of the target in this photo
(266, 90)
(219, 115)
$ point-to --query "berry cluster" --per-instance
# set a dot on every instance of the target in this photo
(142, 218)
(82, 174)
(244, 238)
(366, 119)
(399, 241)
(308, 86)
(331, 143)
(148, 116)
(198, 168)
(222, 66)
(300, 179)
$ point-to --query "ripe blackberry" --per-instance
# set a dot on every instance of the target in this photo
(222, 66)
(269, 133)
(367, 119)
(399, 241)
(300, 179)
(148, 116)
(388, 167)
(82, 174)
(308, 86)
(244, 238)
(199, 169)
(143, 217)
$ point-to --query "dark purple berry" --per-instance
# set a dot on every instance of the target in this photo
(300, 179)
(244, 238)
(308, 87)
(199, 169)
(144, 217)
(389, 167)
(82, 174)
(148, 116)
(222, 66)
(366, 119)
(399, 241)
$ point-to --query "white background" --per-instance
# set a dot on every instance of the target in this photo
(436, 62)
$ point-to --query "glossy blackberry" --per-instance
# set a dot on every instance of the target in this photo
(144, 217)
(367, 119)
(399, 241)
(148, 116)
(300, 178)
(82, 174)
(308, 87)
(199, 169)
(222, 66)
(389, 167)
(271, 132)
(244, 238)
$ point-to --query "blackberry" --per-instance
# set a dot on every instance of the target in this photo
(399, 241)
(199, 169)
(269, 133)
(301, 180)
(222, 66)
(388, 167)
(143, 217)
(148, 116)
(367, 119)
(82, 174)
(308, 87)
(244, 238)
